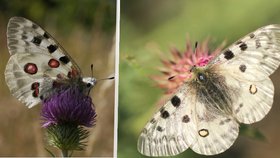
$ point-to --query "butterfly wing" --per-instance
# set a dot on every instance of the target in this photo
(24, 36)
(260, 50)
(36, 61)
(189, 123)
(246, 65)
(255, 96)
(214, 132)
(170, 131)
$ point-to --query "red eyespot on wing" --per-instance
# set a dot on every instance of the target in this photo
(53, 63)
(30, 68)
(35, 93)
(73, 73)
(35, 85)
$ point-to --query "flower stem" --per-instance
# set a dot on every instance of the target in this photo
(64, 153)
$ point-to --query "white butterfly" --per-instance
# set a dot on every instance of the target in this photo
(38, 65)
(205, 113)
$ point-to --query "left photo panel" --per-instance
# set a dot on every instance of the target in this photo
(57, 78)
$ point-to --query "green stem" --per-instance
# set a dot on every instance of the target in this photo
(64, 153)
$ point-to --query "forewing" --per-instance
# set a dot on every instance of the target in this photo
(24, 36)
(171, 130)
(257, 52)
(246, 66)
(36, 61)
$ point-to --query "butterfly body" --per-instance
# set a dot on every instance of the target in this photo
(211, 89)
(39, 66)
(205, 112)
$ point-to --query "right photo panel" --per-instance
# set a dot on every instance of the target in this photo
(199, 78)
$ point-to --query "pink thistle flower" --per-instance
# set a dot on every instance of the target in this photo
(177, 69)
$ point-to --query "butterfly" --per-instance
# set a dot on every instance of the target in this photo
(38, 65)
(205, 112)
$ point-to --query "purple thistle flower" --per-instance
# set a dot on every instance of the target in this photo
(65, 115)
(68, 107)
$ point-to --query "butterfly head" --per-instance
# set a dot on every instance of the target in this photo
(90, 82)
(199, 74)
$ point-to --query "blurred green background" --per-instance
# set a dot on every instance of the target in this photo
(149, 28)
(85, 28)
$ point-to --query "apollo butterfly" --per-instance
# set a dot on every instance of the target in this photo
(38, 65)
(205, 112)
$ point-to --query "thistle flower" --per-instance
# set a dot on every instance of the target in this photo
(180, 64)
(65, 115)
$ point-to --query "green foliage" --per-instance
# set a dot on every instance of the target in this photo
(249, 131)
(65, 13)
(67, 136)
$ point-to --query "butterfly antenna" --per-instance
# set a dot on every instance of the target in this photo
(108, 78)
(91, 68)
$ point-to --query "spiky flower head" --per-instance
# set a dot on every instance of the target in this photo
(177, 69)
(68, 107)
(65, 116)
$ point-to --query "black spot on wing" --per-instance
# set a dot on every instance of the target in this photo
(24, 37)
(152, 121)
(46, 35)
(159, 128)
(52, 48)
(242, 68)
(238, 108)
(228, 54)
(144, 131)
(164, 114)
(34, 26)
(252, 35)
(186, 119)
(175, 101)
(258, 43)
(241, 105)
(64, 59)
(37, 40)
(243, 46)
(227, 120)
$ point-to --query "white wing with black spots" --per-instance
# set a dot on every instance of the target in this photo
(215, 132)
(37, 61)
(171, 130)
(259, 50)
(255, 96)
(26, 73)
(24, 36)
